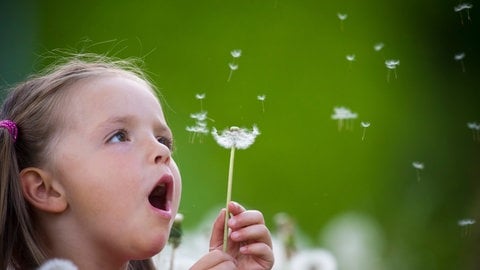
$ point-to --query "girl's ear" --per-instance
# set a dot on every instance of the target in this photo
(41, 191)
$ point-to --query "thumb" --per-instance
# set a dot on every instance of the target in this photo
(216, 240)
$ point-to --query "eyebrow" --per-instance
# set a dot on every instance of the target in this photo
(129, 119)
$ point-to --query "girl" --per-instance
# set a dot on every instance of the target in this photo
(87, 175)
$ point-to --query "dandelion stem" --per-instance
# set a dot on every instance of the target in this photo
(172, 258)
(229, 197)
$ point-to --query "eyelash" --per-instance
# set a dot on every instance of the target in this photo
(168, 142)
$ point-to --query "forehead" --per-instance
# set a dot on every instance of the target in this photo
(103, 97)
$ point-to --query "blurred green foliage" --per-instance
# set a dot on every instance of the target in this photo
(293, 51)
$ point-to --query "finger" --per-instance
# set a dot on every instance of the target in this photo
(235, 208)
(245, 219)
(216, 239)
(217, 260)
(263, 254)
(252, 234)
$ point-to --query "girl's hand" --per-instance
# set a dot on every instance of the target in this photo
(249, 243)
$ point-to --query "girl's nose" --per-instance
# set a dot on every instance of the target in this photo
(161, 153)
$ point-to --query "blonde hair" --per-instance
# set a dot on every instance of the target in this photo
(36, 107)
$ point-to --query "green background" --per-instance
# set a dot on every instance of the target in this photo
(293, 51)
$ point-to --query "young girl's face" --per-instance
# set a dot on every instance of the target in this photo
(113, 160)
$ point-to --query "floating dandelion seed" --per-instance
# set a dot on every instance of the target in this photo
(418, 167)
(365, 125)
(200, 128)
(378, 46)
(233, 138)
(463, 6)
(342, 17)
(475, 127)
(459, 57)
(466, 224)
(236, 53)
(341, 114)
(350, 58)
(232, 68)
(261, 98)
(392, 65)
(200, 97)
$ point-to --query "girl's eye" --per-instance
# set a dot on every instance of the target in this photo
(166, 141)
(119, 136)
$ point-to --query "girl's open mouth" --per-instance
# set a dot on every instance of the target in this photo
(161, 194)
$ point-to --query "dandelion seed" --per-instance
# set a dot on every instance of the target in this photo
(475, 127)
(378, 46)
(261, 98)
(392, 65)
(58, 264)
(342, 17)
(459, 57)
(350, 58)
(233, 138)
(343, 114)
(365, 125)
(200, 97)
(232, 68)
(200, 128)
(418, 167)
(466, 224)
(463, 6)
(236, 53)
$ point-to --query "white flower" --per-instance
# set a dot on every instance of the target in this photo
(233, 66)
(378, 47)
(342, 16)
(462, 6)
(350, 57)
(261, 97)
(392, 64)
(200, 96)
(459, 56)
(365, 124)
(58, 264)
(239, 138)
(236, 53)
(466, 222)
(418, 165)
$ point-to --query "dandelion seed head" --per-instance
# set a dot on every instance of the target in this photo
(365, 124)
(58, 264)
(233, 66)
(378, 47)
(459, 56)
(462, 6)
(261, 97)
(236, 53)
(350, 57)
(342, 16)
(392, 64)
(240, 138)
(466, 222)
(200, 96)
(418, 165)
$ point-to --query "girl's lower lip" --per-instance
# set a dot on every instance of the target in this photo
(167, 214)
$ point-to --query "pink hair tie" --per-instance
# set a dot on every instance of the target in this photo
(11, 127)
